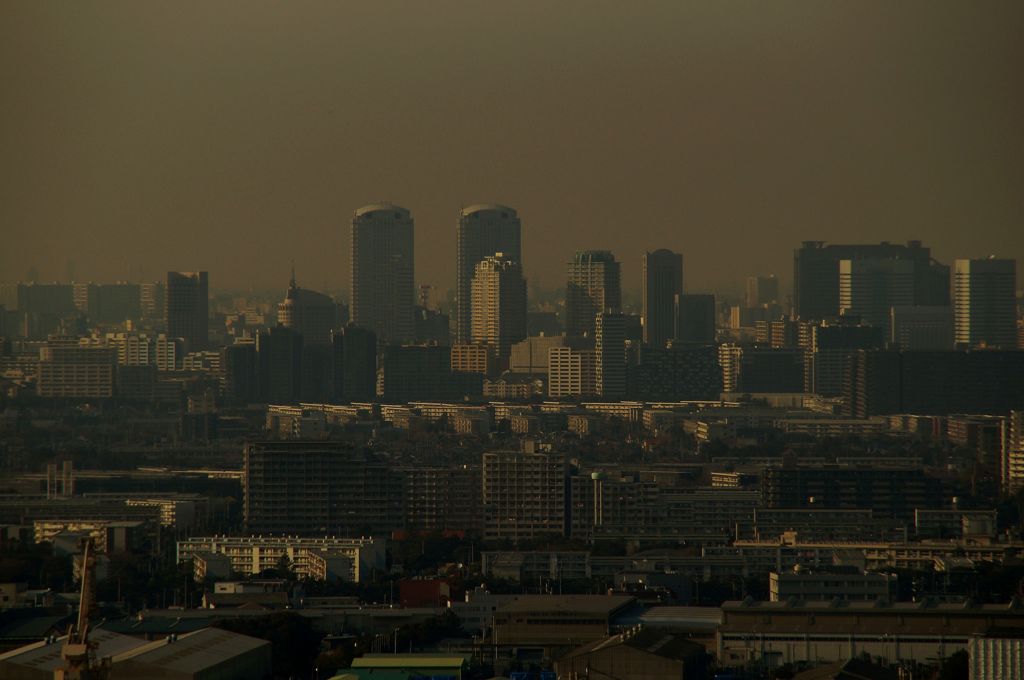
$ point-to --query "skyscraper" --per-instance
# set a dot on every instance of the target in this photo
(871, 287)
(279, 365)
(663, 284)
(762, 290)
(984, 302)
(309, 313)
(816, 274)
(696, 315)
(382, 271)
(354, 365)
(610, 347)
(482, 231)
(187, 308)
(498, 310)
(594, 286)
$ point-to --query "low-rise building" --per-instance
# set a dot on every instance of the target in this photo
(832, 582)
(255, 554)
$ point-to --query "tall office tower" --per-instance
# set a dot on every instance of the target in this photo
(354, 365)
(482, 231)
(279, 365)
(524, 495)
(914, 328)
(762, 290)
(696, 314)
(870, 287)
(663, 284)
(610, 348)
(383, 294)
(816, 275)
(309, 313)
(186, 311)
(498, 307)
(594, 286)
(985, 302)
(238, 383)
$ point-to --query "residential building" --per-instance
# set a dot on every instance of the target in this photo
(482, 231)
(593, 286)
(870, 287)
(252, 555)
(68, 369)
(318, 488)
(524, 494)
(498, 314)
(610, 355)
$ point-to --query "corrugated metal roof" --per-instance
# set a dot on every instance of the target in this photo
(43, 656)
(193, 652)
(408, 661)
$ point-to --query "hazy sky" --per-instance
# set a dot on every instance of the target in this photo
(235, 136)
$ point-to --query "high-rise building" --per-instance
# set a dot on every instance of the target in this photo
(524, 495)
(870, 287)
(1012, 456)
(594, 286)
(279, 365)
(152, 298)
(921, 327)
(933, 382)
(309, 313)
(762, 290)
(423, 373)
(696, 314)
(108, 302)
(354, 365)
(663, 285)
(676, 373)
(498, 304)
(816, 275)
(482, 231)
(238, 382)
(827, 358)
(383, 294)
(610, 348)
(572, 372)
(187, 308)
(985, 303)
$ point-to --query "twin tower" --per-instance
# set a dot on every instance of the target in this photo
(383, 276)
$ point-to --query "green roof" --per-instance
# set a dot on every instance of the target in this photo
(408, 661)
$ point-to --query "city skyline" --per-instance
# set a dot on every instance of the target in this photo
(747, 152)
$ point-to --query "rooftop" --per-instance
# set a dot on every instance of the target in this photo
(596, 604)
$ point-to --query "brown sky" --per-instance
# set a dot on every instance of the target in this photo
(234, 136)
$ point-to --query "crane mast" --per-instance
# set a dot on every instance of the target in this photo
(79, 652)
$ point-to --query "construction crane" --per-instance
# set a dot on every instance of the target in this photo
(79, 653)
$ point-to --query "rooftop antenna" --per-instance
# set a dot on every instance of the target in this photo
(291, 283)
